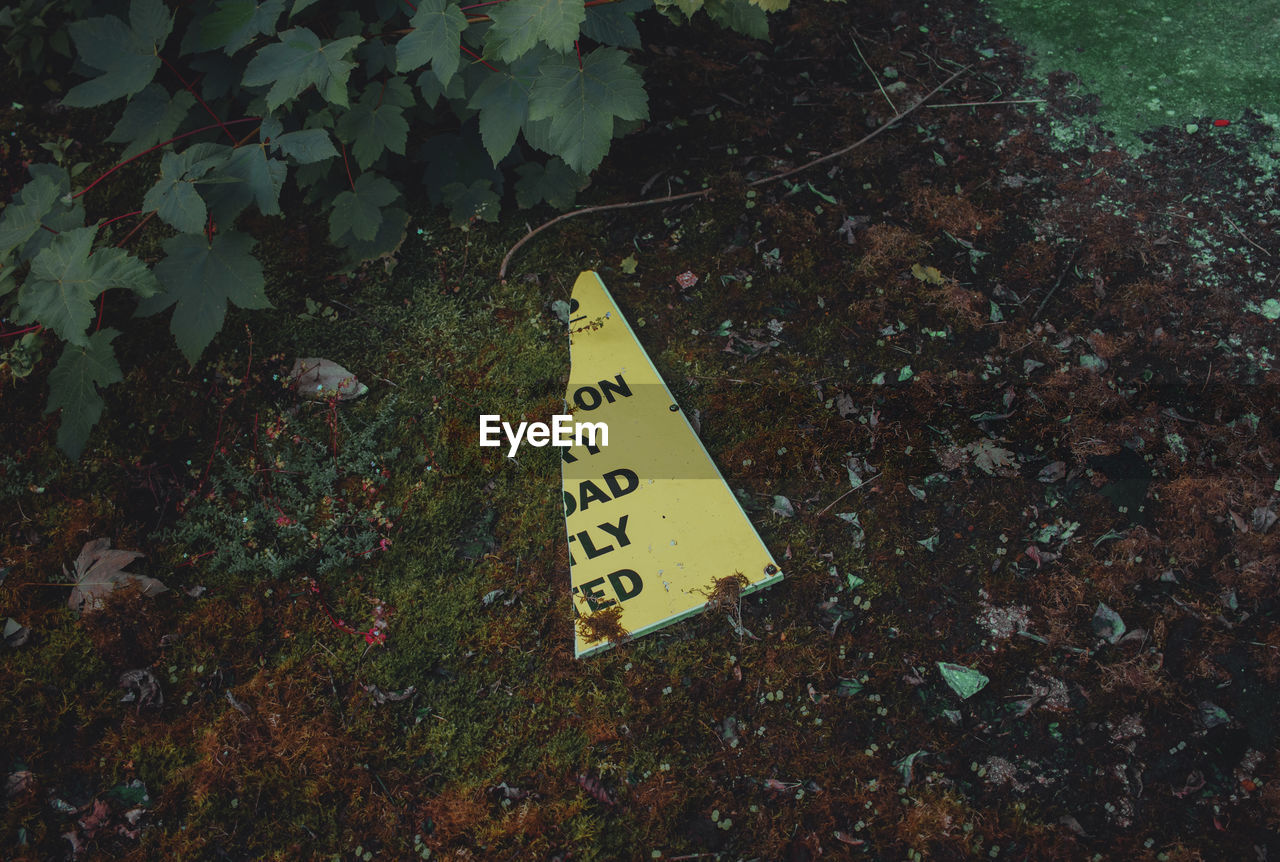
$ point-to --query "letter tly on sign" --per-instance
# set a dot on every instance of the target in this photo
(651, 523)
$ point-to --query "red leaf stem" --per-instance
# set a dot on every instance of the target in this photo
(120, 165)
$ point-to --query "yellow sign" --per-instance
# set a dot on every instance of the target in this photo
(652, 526)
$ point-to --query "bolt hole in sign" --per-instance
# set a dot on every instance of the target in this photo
(652, 526)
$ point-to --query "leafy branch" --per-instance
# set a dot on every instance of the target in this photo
(534, 90)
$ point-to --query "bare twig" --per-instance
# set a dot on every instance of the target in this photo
(1048, 296)
(876, 77)
(1246, 236)
(992, 102)
(887, 124)
(864, 484)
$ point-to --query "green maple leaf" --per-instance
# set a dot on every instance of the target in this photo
(128, 55)
(467, 202)
(612, 24)
(377, 122)
(581, 104)
(503, 102)
(249, 176)
(437, 31)
(359, 210)
(391, 232)
(201, 277)
(150, 118)
(67, 276)
(174, 196)
(73, 388)
(236, 23)
(307, 147)
(22, 219)
(740, 16)
(60, 214)
(299, 61)
(555, 182)
(518, 25)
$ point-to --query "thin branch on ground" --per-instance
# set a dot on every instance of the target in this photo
(992, 102)
(1246, 236)
(701, 193)
(1048, 296)
(874, 76)
(863, 484)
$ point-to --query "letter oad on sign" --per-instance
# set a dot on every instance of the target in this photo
(651, 524)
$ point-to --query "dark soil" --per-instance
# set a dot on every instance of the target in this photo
(1047, 361)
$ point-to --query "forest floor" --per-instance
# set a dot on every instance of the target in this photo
(1015, 382)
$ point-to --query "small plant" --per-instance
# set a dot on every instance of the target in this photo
(307, 498)
(311, 105)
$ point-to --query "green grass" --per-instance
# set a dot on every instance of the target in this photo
(1179, 62)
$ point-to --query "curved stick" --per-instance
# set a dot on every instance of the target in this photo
(896, 118)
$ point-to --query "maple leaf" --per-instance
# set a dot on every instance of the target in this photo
(73, 388)
(299, 61)
(45, 202)
(235, 24)
(99, 570)
(150, 117)
(22, 217)
(582, 102)
(555, 182)
(306, 147)
(201, 276)
(612, 24)
(174, 196)
(467, 202)
(436, 36)
(249, 176)
(503, 102)
(377, 122)
(128, 55)
(741, 16)
(359, 210)
(67, 276)
(991, 459)
(518, 25)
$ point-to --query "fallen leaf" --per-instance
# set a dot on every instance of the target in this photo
(1053, 472)
(320, 379)
(991, 459)
(381, 696)
(927, 273)
(1107, 623)
(782, 507)
(99, 570)
(18, 783)
(141, 685)
(964, 681)
(15, 633)
(98, 817)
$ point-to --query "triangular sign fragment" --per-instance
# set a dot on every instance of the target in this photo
(652, 526)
